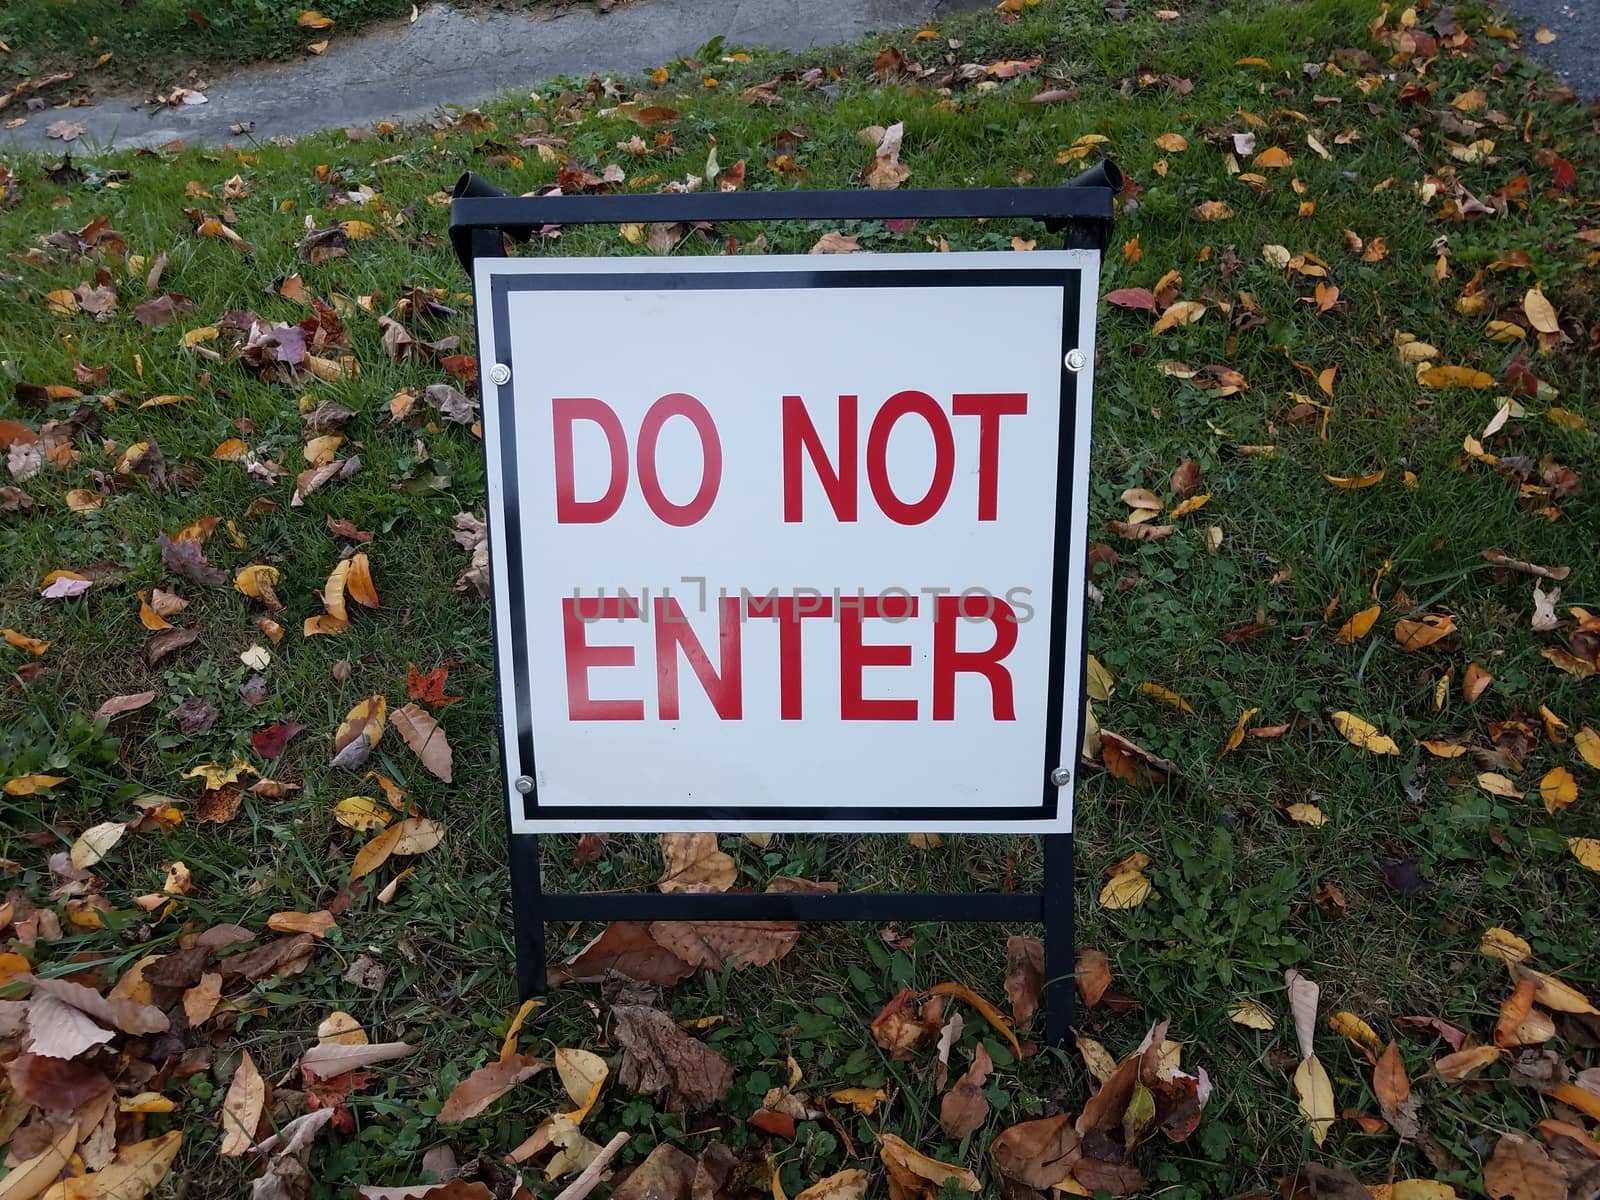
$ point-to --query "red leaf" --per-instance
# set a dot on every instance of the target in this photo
(463, 366)
(271, 741)
(1562, 174)
(1132, 298)
(776, 1123)
(429, 687)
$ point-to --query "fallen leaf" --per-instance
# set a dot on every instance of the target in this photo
(988, 1011)
(427, 741)
(1586, 851)
(1252, 1014)
(1315, 1090)
(241, 1108)
(1358, 626)
(1453, 1068)
(326, 1060)
(1540, 312)
(964, 1109)
(1521, 1169)
(907, 1167)
(693, 863)
(1414, 635)
(1558, 789)
(486, 1085)
(136, 1171)
(659, 1059)
(1363, 734)
(627, 948)
(1024, 978)
(92, 844)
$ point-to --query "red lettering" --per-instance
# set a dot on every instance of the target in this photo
(581, 656)
(989, 407)
(724, 687)
(838, 484)
(679, 404)
(564, 410)
(854, 656)
(944, 463)
(948, 661)
(789, 611)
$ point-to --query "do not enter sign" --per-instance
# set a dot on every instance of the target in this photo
(789, 543)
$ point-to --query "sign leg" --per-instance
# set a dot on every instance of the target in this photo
(1060, 965)
(527, 914)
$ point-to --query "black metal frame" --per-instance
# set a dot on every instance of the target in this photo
(481, 217)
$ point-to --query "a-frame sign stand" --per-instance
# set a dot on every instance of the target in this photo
(482, 218)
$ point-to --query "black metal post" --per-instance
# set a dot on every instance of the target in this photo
(1060, 960)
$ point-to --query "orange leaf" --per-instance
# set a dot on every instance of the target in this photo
(1358, 626)
(988, 1011)
(359, 584)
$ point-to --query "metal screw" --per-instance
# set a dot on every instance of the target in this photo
(1075, 360)
(500, 374)
(1061, 776)
(524, 785)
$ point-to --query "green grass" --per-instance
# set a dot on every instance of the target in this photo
(158, 42)
(1234, 881)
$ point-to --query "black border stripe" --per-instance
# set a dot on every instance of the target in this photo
(1064, 547)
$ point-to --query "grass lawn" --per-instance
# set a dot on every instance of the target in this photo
(1430, 229)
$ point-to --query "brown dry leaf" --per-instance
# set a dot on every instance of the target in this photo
(317, 924)
(1540, 312)
(900, 1028)
(715, 944)
(486, 1085)
(1475, 682)
(1180, 312)
(1521, 1169)
(964, 1108)
(1497, 784)
(1504, 945)
(1172, 143)
(32, 1177)
(1024, 978)
(1453, 1068)
(627, 948)
(912, 1174)
(1037, 1154)
(241, 1108)
(1253, 1015)
(58, 1030)
(360, 731)
(692, 863)
(659, 1059)
(1586, 851)
(200, 1001)
(427, 741)
(667, 1174)
(1390, 1083)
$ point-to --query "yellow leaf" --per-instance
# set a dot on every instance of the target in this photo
(1126, 889)
(365, 719)
(1358, 626)
(83, 500)
(1558, 789)
(1554, 727)
(1253, 1015)
(312, 19)
(333, 591)
(163, 400)
(23, 642)
(375, 853)
(1498, 785)
(256, 581)
(1172, 143)
(319, 451)
(62, 302)
(316, 924)
(1166, 697)
(1540, 312)
(361, 813)
(1586, 851)
(863, 1100)
(146, 1103)
(231, 450)
(132, 1175)
(1414, 635)
(1363, 734)
(1307, 814)
(360, 585)
(988, 1011)
(1180, 312)
(206, 333)
(1236, 738)
(1587, 742)
(1315, 1089)
(1348, 1025)
(1448, 377)
(1212, 210)
(1355, 481)
(1504, 331)
(94, 843)
(1444, 749)
(1192, 504)
(583, 1074)
(1098, 680)
(1096, 1057)
(217, 776)
(358, 231)
(27, 785)
(1553, 994)
(1273, 156)
(341, 1029)
(1504, 945)
(32, 1177)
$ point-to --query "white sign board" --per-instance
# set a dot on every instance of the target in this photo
(789, 543)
